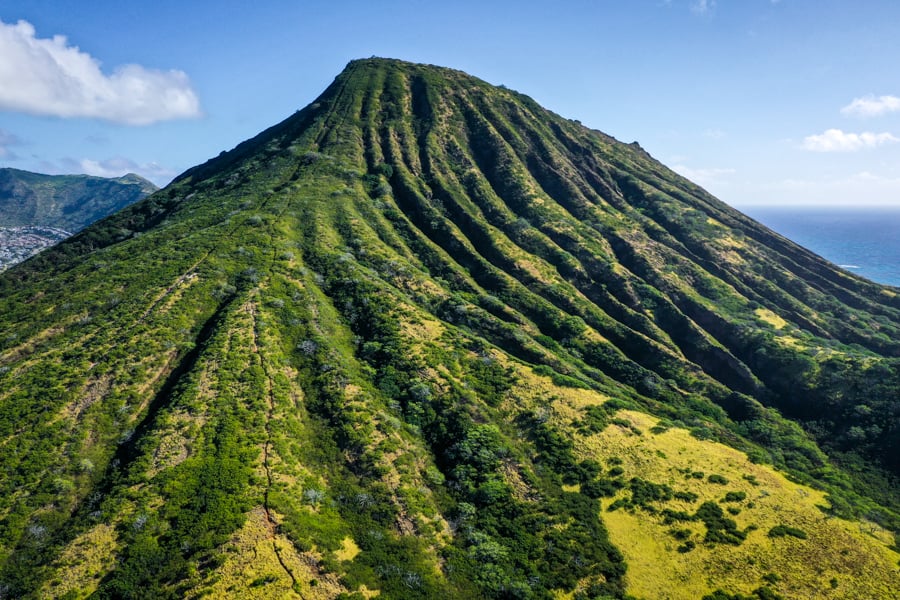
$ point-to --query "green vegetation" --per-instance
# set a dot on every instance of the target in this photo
(761, 593)
(69, 202)
(426, 339)
(783, 530)
(37, 210)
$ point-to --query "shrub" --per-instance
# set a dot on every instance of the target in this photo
(643, 492)
(785, 530)
(385, 169)
(719, 528)
(600, 488)
(670, 516)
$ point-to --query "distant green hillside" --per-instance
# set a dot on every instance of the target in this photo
(426, 339)
(68, 202)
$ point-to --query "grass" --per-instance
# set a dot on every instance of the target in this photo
(250, 556)
(861, 559)
(767, 316)
(83, 564)
(348, 550)
(407, 343)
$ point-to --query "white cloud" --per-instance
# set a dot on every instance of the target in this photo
(47, 76)
(870, 106)
(835, 140)
(118, 166)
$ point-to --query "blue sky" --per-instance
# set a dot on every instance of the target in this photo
(759, 101)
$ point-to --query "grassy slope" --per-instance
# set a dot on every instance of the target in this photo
(294, 353)
(840, 549)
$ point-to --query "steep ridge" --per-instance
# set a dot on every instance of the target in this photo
(427, 338)
(39, 210)
(67, 202)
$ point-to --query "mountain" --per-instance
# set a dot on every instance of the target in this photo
(38, 210)
(425, 338)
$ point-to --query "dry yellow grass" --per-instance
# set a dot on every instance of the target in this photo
(790, 342)
(175, 443)
(83, 563)
(420, 327)
(731, 257)
(348, 550)
(730, 242)
(532, 268)
(252, 568)
(540, 388)
(857, 556)
(767, 316)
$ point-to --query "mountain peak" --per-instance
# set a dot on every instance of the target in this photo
(425, 338)
(68, 202)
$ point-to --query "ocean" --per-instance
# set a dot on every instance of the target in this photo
(865, 241)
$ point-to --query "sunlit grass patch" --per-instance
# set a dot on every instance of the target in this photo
(348, 550)
(858, 557)
(83, 564)
(767, 316)
(253, 569)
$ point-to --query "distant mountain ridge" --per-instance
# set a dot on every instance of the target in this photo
(68, 202)
(31, 202)
(427, 339)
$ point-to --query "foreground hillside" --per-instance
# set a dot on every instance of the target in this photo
(426, 339)
(38, 210)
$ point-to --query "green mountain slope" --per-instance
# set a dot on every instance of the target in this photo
(38, 210)
(427, 339)
(68, 202)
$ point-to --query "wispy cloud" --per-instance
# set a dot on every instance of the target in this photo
(48, 76)
(8, 139)
(703, 176)
(835, 140)
(863, 188)
(118, 166)
(871, 106)
(702, 7)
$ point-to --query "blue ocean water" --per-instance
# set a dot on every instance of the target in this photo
(865, 241)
